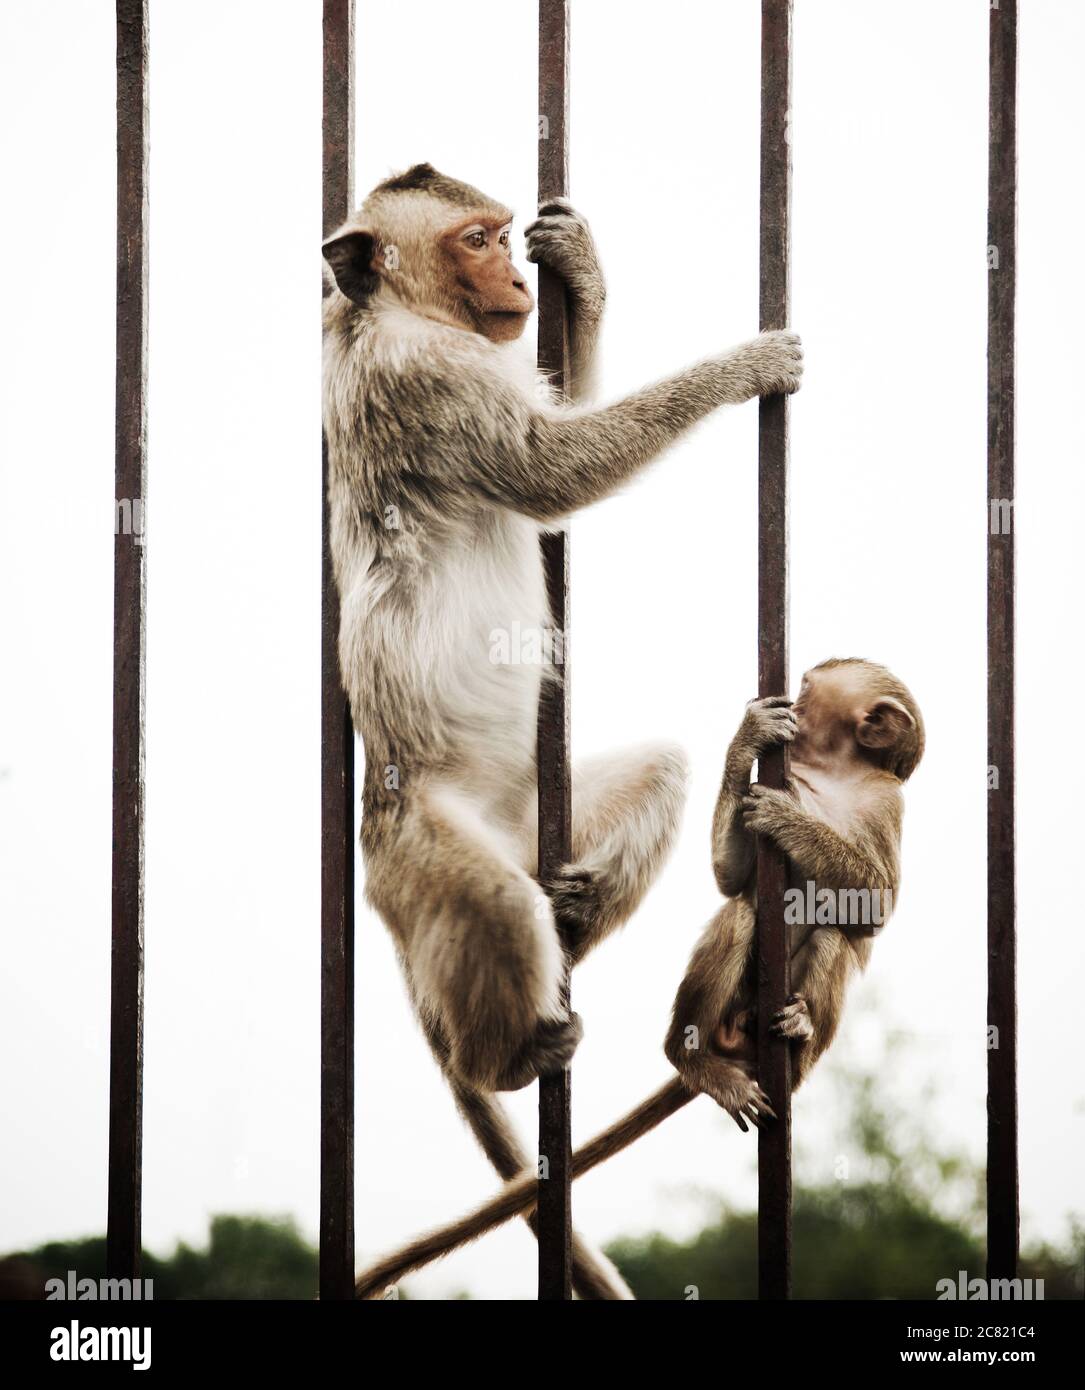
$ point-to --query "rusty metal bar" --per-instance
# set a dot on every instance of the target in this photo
(336, 762)
(1002, 1187)
(773, 958)
(555, 802)
(129, 652)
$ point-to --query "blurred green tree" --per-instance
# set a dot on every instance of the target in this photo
(245, 1257)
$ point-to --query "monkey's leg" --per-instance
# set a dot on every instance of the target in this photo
(825, 966)
(711, 1003)
(627, 808)
(478, 938)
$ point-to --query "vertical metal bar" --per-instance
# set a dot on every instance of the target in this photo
(773, 959)
(555, 803)
(336, 762)
(129, 652)
(1002, 1189)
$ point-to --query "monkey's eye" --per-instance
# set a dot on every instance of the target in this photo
(504, 239)
(477, 240)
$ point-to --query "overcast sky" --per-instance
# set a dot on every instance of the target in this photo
(888, 546)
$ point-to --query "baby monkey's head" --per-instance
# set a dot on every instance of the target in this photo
(848, 705)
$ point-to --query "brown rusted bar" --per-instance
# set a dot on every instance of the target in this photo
(1002, 1189)
(773, 957)
(336, 763)
(129, 652)
(554, 1219)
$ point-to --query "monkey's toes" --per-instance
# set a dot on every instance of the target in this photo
(771, 721)
(793, 1020)
(752, 1105)
(555, 1042)
(574, 895)
(549, 1049)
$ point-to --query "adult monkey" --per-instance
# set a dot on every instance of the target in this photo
(856, 736)
(446, 456)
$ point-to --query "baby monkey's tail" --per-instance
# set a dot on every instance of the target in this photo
(520, 1195)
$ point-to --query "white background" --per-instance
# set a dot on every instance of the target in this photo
(888, 531)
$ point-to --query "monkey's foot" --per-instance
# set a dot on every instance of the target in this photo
(576, 896)
(793, 1020)
(549, 1049)
(737, 1093)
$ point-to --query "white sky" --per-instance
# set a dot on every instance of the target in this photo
(888, 460)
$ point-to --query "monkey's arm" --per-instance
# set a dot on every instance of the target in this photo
(479, 434)
(866, 859)
(767, 722)
(561, 240)
(568, 461)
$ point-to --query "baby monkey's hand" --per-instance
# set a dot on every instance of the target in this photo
(767, 723)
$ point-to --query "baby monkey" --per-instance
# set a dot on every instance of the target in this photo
(856, 736)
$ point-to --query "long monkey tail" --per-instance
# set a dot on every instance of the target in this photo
(593, 1276)
(520, 1195)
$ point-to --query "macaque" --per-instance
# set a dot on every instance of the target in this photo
(856, 735)
(447, 456)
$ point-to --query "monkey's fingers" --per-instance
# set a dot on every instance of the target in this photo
(558, 205)
(558, 226)
(782, 730)
(547, 245)
(736, 1115)
(752, 808)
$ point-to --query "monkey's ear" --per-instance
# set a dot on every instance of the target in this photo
(352, 258)
(884, 724)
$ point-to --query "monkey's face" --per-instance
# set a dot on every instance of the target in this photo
(857, 707)
(488, 288)
(830, 706)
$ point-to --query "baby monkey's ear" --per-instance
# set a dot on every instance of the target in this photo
(884, 724)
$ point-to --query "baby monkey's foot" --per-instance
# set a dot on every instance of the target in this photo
(793, 1020)
(743, 1099)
